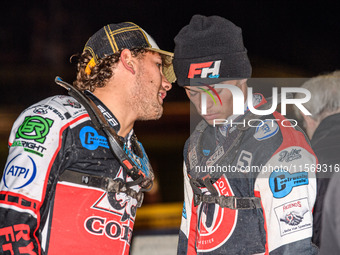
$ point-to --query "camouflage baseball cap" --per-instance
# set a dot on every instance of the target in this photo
(113, 38)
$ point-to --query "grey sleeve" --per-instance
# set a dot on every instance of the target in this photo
(330, 233)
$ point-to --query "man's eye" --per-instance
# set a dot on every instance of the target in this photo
(218, 91)
(159, 65)
(193, 93)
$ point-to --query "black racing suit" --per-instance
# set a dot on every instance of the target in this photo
(273, 164)
(42, 214)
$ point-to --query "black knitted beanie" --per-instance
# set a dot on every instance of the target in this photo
(211, 49)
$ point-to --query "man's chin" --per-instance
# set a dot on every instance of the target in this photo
(210, 122)
(209, 119)
(152, 116)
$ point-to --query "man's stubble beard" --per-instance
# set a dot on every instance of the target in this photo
(141, 102)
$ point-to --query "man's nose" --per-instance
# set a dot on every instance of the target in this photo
(209, 101)
(165, 83)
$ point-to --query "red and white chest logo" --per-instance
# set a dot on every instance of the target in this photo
(215, 224)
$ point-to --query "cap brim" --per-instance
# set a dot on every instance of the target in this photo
(168, 69)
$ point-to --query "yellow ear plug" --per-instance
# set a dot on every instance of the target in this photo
(89, 66)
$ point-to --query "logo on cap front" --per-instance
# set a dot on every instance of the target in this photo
(209, 69)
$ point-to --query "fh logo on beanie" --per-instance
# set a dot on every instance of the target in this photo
(209, 69)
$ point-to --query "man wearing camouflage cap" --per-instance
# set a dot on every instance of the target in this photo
(76, 173)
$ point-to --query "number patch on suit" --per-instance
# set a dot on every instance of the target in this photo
(244, 161)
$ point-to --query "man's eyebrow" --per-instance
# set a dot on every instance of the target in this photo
(188, 88)
(205, 87)
(212, 88)
(156, 55)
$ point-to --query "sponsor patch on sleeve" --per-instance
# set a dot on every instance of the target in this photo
(266, 129)
(20, 171)
(281, 182)
(184, 212)
(293, 216)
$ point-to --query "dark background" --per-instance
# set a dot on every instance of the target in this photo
(37, 38)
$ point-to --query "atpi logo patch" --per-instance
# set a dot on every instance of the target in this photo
(19, 172)
(34, 128)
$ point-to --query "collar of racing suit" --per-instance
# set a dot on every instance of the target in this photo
(257, 100)
(111, 119)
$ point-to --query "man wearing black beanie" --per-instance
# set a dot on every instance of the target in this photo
(242, 192)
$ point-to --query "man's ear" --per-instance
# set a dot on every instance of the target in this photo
(127, 60)
(310, 124)
(242, 82)
(308, 120)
